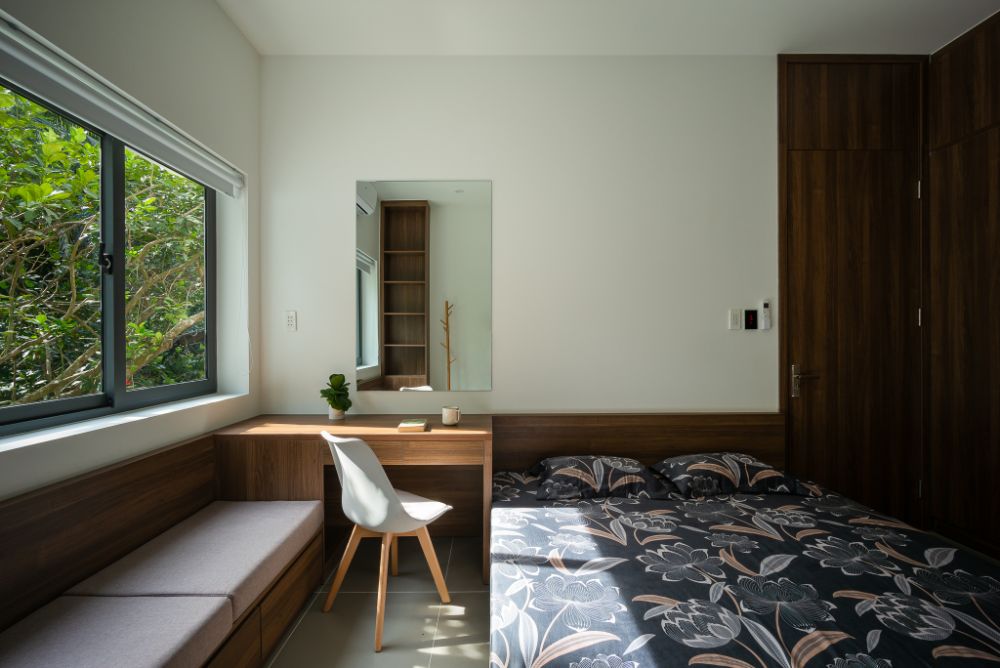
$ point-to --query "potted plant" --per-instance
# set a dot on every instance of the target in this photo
(336, 394)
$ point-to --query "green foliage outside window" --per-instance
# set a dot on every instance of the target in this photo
(165, 275)
(50, 278)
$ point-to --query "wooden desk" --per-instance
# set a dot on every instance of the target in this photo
(282, 457)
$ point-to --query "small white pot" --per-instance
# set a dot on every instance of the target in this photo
(335, 413)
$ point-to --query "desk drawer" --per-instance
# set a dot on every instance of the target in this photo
(428, 453)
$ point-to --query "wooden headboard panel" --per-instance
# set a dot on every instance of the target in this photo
(519, 441)
(56, 536)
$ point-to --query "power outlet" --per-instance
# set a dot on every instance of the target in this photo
(291, 320)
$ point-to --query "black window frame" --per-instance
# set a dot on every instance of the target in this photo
(359, 316)
(115, 397)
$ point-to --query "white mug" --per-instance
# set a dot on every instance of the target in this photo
(450, 415)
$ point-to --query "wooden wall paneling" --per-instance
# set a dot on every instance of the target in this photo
(964, 95)
(56, 536)
(852, 105)
(275, 469)
(963, 289)
(520, 441)
(964, 321)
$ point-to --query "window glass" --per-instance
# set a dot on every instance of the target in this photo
(50, 275)
(165, 328)
(366, 288)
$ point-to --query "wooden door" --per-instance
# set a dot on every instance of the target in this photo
(852, 229)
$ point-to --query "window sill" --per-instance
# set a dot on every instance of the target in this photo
(367, 372)
(97, 424)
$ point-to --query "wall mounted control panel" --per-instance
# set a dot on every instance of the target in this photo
(751, 318)
(764, 321)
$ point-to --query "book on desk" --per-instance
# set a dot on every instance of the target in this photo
(413, 425)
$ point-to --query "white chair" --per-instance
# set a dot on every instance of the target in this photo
(379, 511)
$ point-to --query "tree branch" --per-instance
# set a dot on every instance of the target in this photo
(166, 344)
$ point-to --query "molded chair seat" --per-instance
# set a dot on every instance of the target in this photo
(380, 511)
(419, 508)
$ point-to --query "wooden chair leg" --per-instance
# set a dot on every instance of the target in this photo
(345, 563)
(383, 585)
(394, 552)
(432, 561)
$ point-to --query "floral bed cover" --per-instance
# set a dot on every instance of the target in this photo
(740, 581)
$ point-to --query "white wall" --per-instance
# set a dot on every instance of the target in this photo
(634, 202)
(186, 60)
(461, 245)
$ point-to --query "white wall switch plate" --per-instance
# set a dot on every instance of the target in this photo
(735, 318)
(291, 320)
(765, 315)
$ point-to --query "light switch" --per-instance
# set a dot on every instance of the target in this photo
(735, 318)
(291, 320)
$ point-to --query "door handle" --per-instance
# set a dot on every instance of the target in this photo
(797, 377)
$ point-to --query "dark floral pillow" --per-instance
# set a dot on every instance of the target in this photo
(588, 477)
(716, 473)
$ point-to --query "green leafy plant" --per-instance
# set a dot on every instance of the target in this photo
(336, 393)
(50, 273)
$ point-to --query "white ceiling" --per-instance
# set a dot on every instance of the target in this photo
(602, 27)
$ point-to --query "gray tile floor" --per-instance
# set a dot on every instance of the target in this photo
(420, 631)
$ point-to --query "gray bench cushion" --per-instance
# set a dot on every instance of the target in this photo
(232, 549)
(98, 632)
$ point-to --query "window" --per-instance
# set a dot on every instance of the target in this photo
(50, 275)
(164, 274)
(106, 273)
(366, 292)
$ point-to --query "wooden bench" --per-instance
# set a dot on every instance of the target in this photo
(57, 538)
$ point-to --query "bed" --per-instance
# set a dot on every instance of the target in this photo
(738, 580)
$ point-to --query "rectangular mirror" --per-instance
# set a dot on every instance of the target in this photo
(424, 285)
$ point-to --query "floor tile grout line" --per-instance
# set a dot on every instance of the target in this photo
(291, 631)
(437, 622)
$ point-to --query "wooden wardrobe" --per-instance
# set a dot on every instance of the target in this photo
(890, 278)
(962, 284)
